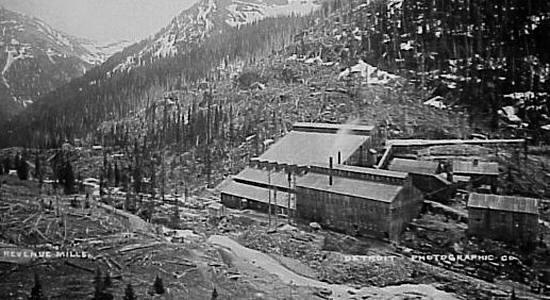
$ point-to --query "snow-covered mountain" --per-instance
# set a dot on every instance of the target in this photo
(35, 59)
(101, 52)
(205, 17)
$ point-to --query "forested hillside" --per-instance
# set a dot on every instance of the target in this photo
(470, 52)
(490, 58)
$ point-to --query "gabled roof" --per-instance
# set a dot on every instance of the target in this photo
(350, 187)
(306, 148)
(259, 194)
(503, 203)
(482, 168)
(413, 166)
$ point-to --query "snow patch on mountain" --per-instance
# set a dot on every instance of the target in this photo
(241, 12)
(54, 35)
(189, 27)
(204, 12)
(98, 54)
(14, 54)
(51, 54)
(166, 46)
(196, 23)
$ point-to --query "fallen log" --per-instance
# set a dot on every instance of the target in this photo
(115, 262)
(182, 263)
(30, 217)
(137, 247)
(68, 263)
(107, 262)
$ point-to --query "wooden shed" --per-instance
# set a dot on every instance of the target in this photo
(508, 218)
(480, 172)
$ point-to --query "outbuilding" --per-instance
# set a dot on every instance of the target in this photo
(508, 218)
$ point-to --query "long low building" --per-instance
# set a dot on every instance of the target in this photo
(255, 188)
(245, 196)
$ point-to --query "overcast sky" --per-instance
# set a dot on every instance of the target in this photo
(103, 20)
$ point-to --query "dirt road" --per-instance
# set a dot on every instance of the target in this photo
(270, 265)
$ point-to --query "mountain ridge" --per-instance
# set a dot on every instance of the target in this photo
(38, 58)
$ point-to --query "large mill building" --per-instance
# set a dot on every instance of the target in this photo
(323, 172)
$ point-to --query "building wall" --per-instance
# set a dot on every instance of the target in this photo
(360, 175)
(360, 157)
(231, 201)
(479, 180)
(405, 207)
(236, 202)
(343, 213)
(503, 225)
(430, 184)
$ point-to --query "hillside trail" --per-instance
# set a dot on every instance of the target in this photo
(242, 256)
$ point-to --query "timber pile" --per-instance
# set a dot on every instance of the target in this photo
(135, 257)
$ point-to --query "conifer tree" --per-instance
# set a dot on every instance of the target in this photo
(68, 178)
(117, 175)
(36, 292)
(176, 216)
(107, 282)
(101, 286)
(129, 293)
(98, 284)
(158, 286)
(22, 167)
(38, 169)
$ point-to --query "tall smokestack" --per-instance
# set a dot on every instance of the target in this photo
(339, 157)
(330, 171)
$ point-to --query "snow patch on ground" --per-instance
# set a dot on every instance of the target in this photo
(436, 102)
(372, 74)
(509, 112)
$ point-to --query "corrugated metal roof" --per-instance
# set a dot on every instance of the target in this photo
(413, 166)
(505, 203)
(482, 168)
(306, 148)
(333, 128)
(259, 194)
(255, 175)
(350, 187)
